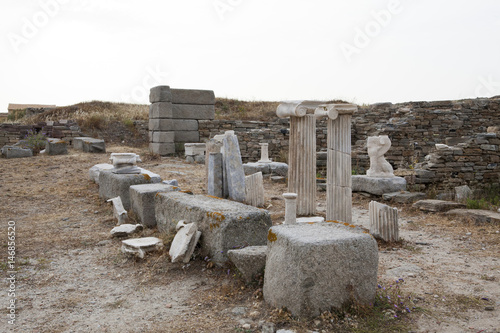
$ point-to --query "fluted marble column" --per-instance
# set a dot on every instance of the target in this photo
(384, 222)
(339, 184)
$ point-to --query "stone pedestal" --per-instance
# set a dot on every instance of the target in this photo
(384, 222)
(264, 153)
(290, 208)
(302, 163)
(313, 268)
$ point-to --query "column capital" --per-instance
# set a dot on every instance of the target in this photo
(318, 108)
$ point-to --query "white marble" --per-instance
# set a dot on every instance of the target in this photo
(119, 211)
(264, 153)
(125, 163)
(182, 243)
(125, 230)
(140, 246)
(290, 208)
(254, 190)
(377, 147)
(384, 222)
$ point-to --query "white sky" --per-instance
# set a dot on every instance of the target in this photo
(67, 51)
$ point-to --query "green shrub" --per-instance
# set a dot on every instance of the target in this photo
(34, 141)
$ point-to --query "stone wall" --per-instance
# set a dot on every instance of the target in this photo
(414, 129)
(174, 116)
(12, 133)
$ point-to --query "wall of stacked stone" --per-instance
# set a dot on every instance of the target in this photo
(414, 128)
(12, 133)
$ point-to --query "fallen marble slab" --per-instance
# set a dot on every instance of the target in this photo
(250, 261)
(377, 186)
(274, 168)
(184, 242)
(118, 211)
(404, 197)
(141, 246)
(436, 206)
(476, 215)
(126, 230)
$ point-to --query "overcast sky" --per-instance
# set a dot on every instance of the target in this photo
(364, 51)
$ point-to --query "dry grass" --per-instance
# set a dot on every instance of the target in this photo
(241, 110)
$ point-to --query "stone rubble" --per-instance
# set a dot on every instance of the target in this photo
(140, 246)
(126, 230)
(119, 212)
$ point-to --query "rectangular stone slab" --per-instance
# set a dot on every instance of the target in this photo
(191, 96)
(224, 224)
(112, 185)
(142, 199)
(189, 111)
(160, 94)
(162, 148)
(173, 125)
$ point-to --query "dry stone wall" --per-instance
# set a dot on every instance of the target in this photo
(414, 129)
(12, 133)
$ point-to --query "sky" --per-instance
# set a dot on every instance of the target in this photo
(363, 51)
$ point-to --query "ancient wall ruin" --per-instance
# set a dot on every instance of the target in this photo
(414, 129)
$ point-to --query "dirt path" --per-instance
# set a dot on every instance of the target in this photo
(72, 277)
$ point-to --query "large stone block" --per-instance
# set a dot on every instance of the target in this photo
(142, 200)
(89, 145)
(55, 147)
(187, 136)
(378, 186)
(162, 148)
(161, 110)
(199, 112)
(96, 170)
(250, 261)
(190, 96)
(112, 185)
(16, 152)
(173, 125)
(435, 206)
(224, 224)
(275, 168)
(313, 268)
(163, 137)
(160, 94)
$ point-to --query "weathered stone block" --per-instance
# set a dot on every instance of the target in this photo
(16, 152)
(194, 149)
(162, 148)
(476, 215)
(199, 112)
(187, 136)
(112, 185)
(96, 170)
(160, 94)
(173, 125)
(316, 267)
(142, 200)
(404, 196)
(161, 110)
(224, 224)
(250, 261)
(378, 186)
(191, 96)
(215, 176)
(234, 175)
(55, 147)
(91, 145)
(437, 205)
(163, 137)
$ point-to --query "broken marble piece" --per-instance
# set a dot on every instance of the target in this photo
(126, 230)
(125, 163)
(377, 147)
(118, 211)
(184, 242)
(141, 246)
(384, 222)
(234, 176)
(254, 189)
